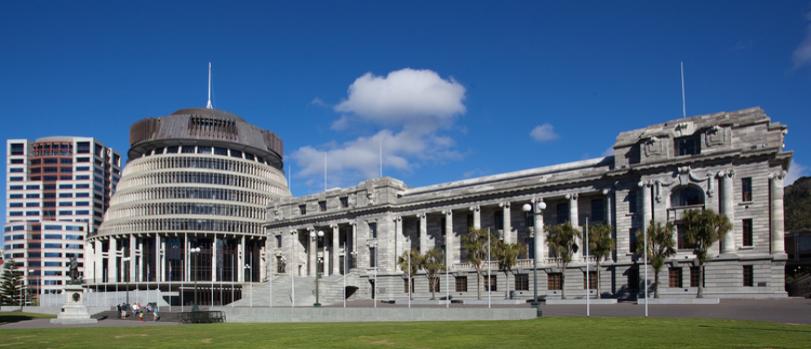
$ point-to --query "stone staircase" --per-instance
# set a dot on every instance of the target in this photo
(330, 291)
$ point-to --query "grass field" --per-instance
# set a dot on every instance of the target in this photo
(547, 332)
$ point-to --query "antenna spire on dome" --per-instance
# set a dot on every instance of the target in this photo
(209, 105)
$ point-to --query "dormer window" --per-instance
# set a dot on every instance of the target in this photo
(689, 145)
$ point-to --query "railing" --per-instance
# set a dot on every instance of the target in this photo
(676, 213)
(202, 317)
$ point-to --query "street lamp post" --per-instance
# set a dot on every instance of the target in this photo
(538, 208)
(250, 284)
(317, 236)
(195, 251)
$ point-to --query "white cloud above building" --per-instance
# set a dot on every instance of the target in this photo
(407, 109)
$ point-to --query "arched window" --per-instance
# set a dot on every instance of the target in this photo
(686, 195)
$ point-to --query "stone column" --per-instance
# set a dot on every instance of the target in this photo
(214, 258)
(727, 208)
(450, 254)
(423, 232)
(399, 242)
(112, 260)
(140, 265)
(162, 256)
(647, 214)
(158, 259)
(241, 260)
(355, 248)
(507, 220)
(336, 243)
(186, 262)
(312, 252)
(477, 216)
(132, 258)
(97, 254)
(776, 212)
(575, 222)
(539, 239)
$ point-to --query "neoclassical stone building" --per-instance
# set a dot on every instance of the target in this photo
(730, 162)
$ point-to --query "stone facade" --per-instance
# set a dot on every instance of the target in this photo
(730, 162)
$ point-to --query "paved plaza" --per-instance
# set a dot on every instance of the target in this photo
(790, 311)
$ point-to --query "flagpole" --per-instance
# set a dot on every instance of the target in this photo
(588, 283)
(489, 278)
(683, 97)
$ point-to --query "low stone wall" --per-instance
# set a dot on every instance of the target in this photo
(51, 310)
(241, 314)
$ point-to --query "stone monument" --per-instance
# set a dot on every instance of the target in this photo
(74, 312)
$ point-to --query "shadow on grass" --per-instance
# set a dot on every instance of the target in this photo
(12, 317)
(755, 329)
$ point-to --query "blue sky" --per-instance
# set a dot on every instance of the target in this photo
(452, 90)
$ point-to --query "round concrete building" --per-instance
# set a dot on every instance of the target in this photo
(186, 218)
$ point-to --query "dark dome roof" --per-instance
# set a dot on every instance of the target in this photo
(212, 113)
(201, 126)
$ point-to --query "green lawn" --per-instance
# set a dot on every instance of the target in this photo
(14, 316)
(547, 332)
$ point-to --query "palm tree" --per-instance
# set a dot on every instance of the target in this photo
(414, 265)
(702, 229)
(600, 246)
(562, 241)
(433, 261)
(475, 243)
(506, 254)
(660, 248)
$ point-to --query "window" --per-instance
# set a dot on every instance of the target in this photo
(748, 276)
(302, 209)
(522, 282)
(433, 284)
(278, 241)
(681, 233)
(554, 281)
(491, 283)
(406, 283)
(689, 145)
(746, 189)
(83, 147)
(632, 239)
(17, 149)
(598, 210)
(562, 213)
(747, 232)
(344, 201)
(694, 272)
(322, 205)
(372, 257)
(498, 218)
(279, 264)
(461, 283)
(674, 277)
(633, 278)
(373, 230)
(592, 280)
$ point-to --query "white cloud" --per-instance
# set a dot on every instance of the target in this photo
(795, 171)
(802, 54)
(340, 124)
(359, 158)
(544, 133)
(408, 110)
(405, 97)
